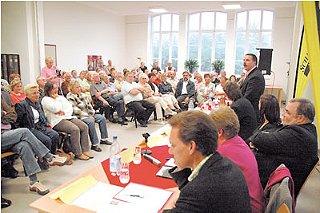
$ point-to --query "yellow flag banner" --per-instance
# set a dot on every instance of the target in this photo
(303, 69)
(311, 17)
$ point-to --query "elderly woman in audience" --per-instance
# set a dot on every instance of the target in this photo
(206, 90)
(219, 87)
(198, 81)
(167, 93)
(84, 111)
(148, 95)
(49, 72)
(232, 146)
(59, 113)
(31, 116)
(16, 95)
(243, 109)
(5, 92)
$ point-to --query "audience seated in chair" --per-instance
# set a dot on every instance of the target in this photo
(58, 111)
(294, 144)
(84, 111)
(207, 181)
(16, 95)
(154, 98)
(206, 90)
(23, 142)
(31, 116)
(65, 84)
(132, 94)
(243, 109)
(232, 146)
(185, 91)
(101, 93)
(166, 91)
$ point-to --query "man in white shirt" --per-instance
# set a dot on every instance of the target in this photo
(132, 95)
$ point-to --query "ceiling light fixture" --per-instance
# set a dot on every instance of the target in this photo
(231, 6)
(158, 10)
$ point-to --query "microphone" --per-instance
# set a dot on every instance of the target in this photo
(152, 160)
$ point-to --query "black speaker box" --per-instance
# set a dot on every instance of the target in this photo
(265, 59)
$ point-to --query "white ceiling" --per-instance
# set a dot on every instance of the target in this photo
(124, 8)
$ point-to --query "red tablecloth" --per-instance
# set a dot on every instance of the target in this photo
(145, 172)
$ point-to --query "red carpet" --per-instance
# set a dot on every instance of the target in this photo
(145, 172)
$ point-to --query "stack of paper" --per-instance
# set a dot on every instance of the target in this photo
(164, 171)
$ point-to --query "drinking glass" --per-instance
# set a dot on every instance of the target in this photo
(137, 155)
(124, 176)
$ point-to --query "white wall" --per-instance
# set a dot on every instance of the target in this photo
(78, 31)
(18, 36)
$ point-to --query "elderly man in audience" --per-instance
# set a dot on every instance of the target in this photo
(59, 113)
(295, 144)
(113, 92)
(167, 93)
(118, 81)
(41, 81)
(109, 67)
(243, 109)
(172, 79)
(103, 96)
(155, 67)
(74, 75)
(156, 99)
(207, 181)
(84, 111)
(169, 67)
(113, 73)
(31, 116)
(23, 142)
(232, 146)
(185, 91)
(16, 95)
(132, 94)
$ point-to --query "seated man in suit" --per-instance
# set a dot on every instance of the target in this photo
(100, 92)
(185, 91)
(232, 146)
(132, 94)
(295, 144)
(207, 181)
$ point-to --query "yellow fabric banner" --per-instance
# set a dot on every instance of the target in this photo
(311, 16)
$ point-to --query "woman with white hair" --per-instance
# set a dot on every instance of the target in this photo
(158, 101)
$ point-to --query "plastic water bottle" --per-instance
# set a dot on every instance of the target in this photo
(191, 105)
(115, 159)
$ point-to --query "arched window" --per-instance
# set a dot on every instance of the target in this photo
(253, 30)
(164, 39)
(207, 38)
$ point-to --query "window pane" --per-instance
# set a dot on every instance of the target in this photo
(220, 45)
(175, 23)
(175, 45)
(221, 21)
(156, 23)
(266, 39)
(194, 21)
(155, 45)
(175, 63)
(193, 39)
(165, 49)
(267, 20)
(253, 42)
(206, 51)
(242, 21)
(207, 21)
(254, 19)
(166, 22)
(238, 67)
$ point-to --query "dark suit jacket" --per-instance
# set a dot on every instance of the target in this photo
(26, 118)
(295, 146)
(252, 88)
(219, 187)
(190, 88)
(247, 117)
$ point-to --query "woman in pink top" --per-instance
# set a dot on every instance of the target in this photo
(17, 95)
(49, 71)
(232, 146)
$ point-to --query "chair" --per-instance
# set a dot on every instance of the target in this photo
(64, 142)
(279, 191)
(132, 114)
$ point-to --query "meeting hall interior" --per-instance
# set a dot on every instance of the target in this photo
(85, 57)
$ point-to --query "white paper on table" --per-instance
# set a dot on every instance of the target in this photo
(98, 197)
(170, 163)
(145, 197)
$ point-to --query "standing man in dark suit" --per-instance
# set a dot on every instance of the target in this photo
(253, 85)
(207, 181)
